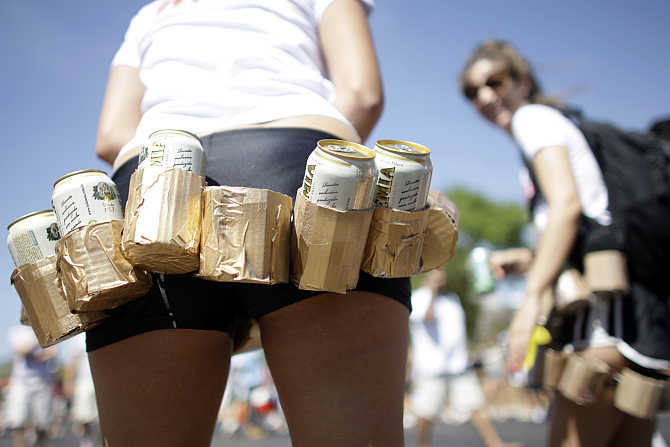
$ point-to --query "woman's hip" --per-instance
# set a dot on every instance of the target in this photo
(263, 157)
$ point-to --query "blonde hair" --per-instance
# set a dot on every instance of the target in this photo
(516, 65)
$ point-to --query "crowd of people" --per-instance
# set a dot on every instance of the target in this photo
(300, 71)
(48, 392)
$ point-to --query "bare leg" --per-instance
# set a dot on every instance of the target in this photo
(425, 431)
(18, 439)
(41, 438)
(339, 365)
(593, 425)
(635, 432)
(85, 432)
(161, 388)
(487, 431)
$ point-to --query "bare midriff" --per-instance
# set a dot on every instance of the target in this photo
(316, 122)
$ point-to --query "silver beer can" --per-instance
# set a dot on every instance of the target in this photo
(172, 148)
(33, 237)
(404, 171)
(340, 175)
(85, 197)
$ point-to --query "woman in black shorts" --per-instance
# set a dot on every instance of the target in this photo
(260, 85)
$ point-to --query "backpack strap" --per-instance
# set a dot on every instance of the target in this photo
(635, 166)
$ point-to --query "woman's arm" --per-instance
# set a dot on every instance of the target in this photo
(352, 63)
(556, 181)
(120, 113)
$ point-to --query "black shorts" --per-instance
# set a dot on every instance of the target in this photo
(637, 322)
(270, 158)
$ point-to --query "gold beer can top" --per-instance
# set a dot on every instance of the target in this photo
(34, 213)
(404, 147)
(346, 149)
(71, 174)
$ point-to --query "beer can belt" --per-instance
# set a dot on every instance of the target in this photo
(40, 291)
(255, 248)
(163, 220)
(395, 243)
(94, 272)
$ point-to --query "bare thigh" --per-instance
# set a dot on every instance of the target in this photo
(161, 388)
(339, 365)
(595, 425)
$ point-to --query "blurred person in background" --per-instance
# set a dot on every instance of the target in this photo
(79, 389)
(439, 364)
(260, 83)
(571, 208)
(29, 391)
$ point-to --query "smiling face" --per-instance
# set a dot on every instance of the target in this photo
(494, 91)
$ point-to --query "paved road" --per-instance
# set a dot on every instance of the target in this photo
(461, 436)
(452, 435)
(532, 435)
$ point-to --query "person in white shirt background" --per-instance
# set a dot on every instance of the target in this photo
(260, 83)
(439, 363)
(30, 387)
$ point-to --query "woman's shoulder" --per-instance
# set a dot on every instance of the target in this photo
(536, 112)
(536, 126)
(533, 118)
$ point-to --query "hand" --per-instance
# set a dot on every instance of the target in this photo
(438, 199)
(510, 261)
(520, 332)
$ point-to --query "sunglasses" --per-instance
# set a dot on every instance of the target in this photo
(494, 82)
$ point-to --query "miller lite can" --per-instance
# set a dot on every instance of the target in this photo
(340, 175)
(85, 197)
(170, 148)
(404, 171)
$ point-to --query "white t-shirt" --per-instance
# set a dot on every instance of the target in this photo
(536, 126)
(439, 346)
(209, 65)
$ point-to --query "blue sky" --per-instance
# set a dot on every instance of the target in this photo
(609, 57)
